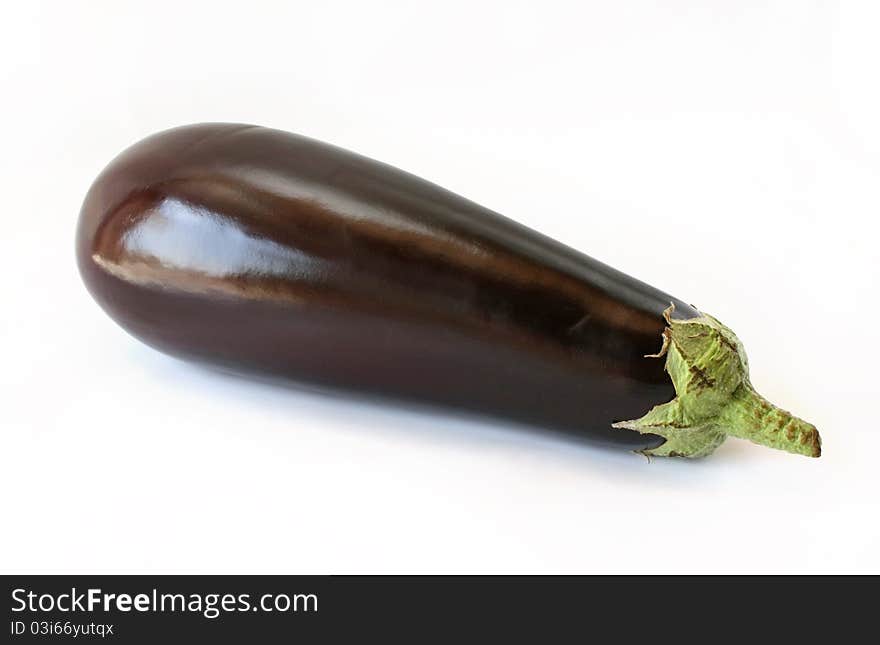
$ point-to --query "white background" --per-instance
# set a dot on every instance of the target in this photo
(727, 152)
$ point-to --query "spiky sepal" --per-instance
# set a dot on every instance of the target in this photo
(714, 398)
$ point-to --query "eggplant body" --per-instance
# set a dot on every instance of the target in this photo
(264, 251)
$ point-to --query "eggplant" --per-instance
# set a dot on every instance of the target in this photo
(266, 252)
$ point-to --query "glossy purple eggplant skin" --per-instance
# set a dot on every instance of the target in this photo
(268, 252)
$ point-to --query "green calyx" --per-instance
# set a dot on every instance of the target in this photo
(710, 372)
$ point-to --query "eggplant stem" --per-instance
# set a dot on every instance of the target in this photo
(714, 397)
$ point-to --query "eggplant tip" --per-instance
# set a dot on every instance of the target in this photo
(714, 397)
